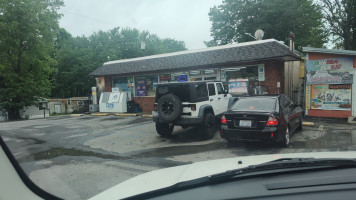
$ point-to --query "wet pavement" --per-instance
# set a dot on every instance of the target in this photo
(78, 157)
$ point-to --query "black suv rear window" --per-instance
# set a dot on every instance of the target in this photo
(255, 104)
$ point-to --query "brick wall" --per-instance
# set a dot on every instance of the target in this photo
(108, 84)
(274, 72)
(146, 103)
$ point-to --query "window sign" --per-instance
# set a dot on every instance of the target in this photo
(261, 72)
(165, 77)
(182, 78)
(330, 99)
(238, 86)
(141, 88)
(195, 73)
(330, 71)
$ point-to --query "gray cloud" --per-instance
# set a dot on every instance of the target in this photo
(185, 20)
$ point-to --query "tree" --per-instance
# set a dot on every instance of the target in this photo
(277, 18)
(27, 30)
(340, 16)
(79, 56)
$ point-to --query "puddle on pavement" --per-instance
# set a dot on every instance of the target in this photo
(150, 153)
(183, 150)
(111, 118)
(36, 141)
(58, 151)
(137, 121)
(337, 139)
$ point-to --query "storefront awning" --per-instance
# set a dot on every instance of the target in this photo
(212, 57)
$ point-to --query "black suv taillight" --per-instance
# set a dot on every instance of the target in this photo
(223, 120)
(272, 121)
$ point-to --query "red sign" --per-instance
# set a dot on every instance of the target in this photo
(164, 77)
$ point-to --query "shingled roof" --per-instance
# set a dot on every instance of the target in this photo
(233, 54)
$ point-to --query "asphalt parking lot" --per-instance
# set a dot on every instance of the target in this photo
(78, 157)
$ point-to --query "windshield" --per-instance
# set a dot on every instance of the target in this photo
(95, 93)
(255, 104)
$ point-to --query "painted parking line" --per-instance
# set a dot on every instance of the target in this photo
(308, 124)
(99, 114)
(126, 114)
(76, 115)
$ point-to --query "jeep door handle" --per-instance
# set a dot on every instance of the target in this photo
(219, 98)
(211, 99)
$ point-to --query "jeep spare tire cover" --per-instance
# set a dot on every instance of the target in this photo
(169, 107)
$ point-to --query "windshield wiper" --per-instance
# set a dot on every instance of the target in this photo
(287, 164)
(275, 166)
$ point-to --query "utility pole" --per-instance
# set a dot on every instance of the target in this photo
(290, 66)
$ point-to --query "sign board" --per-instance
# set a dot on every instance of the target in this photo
(109, 106)
(114, 97)
(330, 71)
(165, 77)
(238, 86)
(307, 96)
(182, 78)
(330, 99)
(261, 72)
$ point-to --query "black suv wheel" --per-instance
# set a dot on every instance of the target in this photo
(164, 130)
(208, 127)
(169, 107)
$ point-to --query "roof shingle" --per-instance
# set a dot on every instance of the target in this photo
(208, 57)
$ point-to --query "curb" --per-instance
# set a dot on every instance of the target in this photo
(76, 115)
(126, 114)
(99, 114)
(308, 124)
(146, 115)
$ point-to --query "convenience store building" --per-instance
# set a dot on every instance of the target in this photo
(245, 68)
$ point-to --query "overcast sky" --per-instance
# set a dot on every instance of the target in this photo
(185, 20)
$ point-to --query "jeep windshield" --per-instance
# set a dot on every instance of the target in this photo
(253, 104)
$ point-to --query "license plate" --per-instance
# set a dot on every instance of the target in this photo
(246, 123)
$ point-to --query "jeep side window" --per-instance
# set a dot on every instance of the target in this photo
(220, 88)
(201, 91)
(211, 89)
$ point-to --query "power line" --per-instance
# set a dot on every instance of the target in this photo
(86, 17)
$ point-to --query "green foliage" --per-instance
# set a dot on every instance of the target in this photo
(277, 18)
(79, 56)
(27, 31)
(340, 16)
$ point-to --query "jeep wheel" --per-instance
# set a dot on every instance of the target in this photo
(169, 107)
(164, 130)
(208, 127)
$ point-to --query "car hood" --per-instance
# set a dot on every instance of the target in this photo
(169, 176)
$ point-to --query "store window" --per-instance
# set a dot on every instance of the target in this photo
(240, 80)
(146, 85)
(205, 75)
(123, 83)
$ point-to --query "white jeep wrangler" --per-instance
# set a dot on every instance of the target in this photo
(190, 104)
